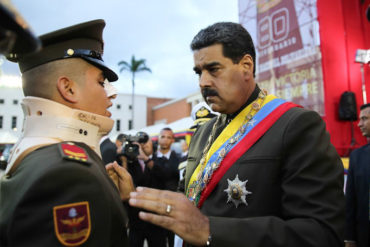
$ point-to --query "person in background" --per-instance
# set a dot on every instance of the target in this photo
(140, 169)
(165, 173)
(184, 151)
(201, 113)
(262, 173)
(64, 195)
(357, 232)
(120, 141)
(166, 162)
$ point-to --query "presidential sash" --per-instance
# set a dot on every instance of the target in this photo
(232, 143)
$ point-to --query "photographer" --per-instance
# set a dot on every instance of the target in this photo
(136, 154)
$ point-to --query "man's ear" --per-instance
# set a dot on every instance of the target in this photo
(67, 89)
(247, 63)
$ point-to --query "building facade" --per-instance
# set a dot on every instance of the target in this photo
(11, 114)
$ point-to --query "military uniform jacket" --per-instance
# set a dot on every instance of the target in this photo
(51, 197)
(357, 196)
(295, 177)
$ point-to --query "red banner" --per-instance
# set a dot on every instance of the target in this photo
(286, 36)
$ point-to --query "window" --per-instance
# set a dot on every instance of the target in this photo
(2, 101)
(129, 124)
(118, 125)
(1, 122)
(15, 102)
(118, 106)
(14, 122)
(130, 107)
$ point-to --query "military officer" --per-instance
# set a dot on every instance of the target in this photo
(56, 191)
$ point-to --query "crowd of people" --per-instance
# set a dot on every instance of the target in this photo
(153, 166)
(262, 172)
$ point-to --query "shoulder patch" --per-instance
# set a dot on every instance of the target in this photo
(72, 223)
(71, 151)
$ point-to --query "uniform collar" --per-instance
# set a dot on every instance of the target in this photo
(166, 155)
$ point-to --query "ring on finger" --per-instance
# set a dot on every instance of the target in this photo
(168, 209)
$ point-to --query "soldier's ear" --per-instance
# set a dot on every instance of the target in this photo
(67, 89)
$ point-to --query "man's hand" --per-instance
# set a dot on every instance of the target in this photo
(172, 211)
(350, 244)
(121, 178)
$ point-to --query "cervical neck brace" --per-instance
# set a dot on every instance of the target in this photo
(47, 122)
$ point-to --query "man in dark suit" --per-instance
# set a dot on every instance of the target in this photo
(55, 190)
(357, 189)
(165, 169)
(263, 173)
(164, 173)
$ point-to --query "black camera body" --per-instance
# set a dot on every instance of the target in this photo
(131, 150)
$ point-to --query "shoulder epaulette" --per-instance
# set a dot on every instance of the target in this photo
(71, 151)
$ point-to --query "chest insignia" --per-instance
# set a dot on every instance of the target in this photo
(72, 223)
(236, 191)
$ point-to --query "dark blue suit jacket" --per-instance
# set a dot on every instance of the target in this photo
(357, 196)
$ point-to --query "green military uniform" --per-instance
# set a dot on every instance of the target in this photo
(56, 191)
(46, 180)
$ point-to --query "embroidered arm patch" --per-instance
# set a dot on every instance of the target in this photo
(72, 223)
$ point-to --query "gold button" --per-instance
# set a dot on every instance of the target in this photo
(70, 52)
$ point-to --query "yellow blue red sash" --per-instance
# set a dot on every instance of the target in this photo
(271, 111)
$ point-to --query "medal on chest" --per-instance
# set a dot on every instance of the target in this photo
(237, 192)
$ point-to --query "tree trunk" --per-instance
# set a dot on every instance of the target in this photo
(133, 101)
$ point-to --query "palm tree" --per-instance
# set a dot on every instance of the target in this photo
(133, 67)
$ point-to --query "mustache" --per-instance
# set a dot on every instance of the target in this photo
(209, 92)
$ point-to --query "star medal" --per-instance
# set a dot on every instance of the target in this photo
(236, 191)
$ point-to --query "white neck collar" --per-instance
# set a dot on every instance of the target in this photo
(47, 121)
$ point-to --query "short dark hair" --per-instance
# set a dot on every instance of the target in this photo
(167, 129)
(364, 106)
(234, 38)
(121, 137)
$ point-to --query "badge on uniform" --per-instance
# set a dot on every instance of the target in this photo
(236, 191)
(71, 151)
(72, 223)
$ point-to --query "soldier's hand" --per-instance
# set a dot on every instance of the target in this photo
(122, 178)
(172, 211)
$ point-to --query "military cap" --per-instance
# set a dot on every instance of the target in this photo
(201, 113)
(15, 35)
(83, 41)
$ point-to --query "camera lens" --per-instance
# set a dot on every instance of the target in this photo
(142, 137)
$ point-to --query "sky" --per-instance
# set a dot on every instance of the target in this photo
(159, 31)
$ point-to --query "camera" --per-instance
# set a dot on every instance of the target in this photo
(131, 150)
